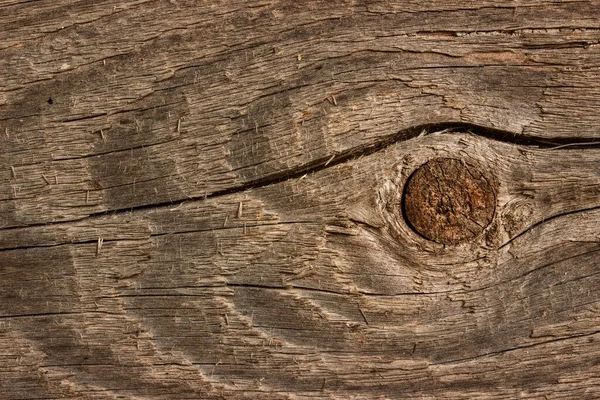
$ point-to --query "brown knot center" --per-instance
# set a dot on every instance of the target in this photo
(448, 201)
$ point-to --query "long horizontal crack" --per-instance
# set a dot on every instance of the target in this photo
(151, 235)
(328, 291)
(332, 160)
(37, 315)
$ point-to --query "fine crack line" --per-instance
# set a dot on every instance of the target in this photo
(516, 348)
(543, 221)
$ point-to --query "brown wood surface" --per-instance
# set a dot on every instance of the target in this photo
(204, 200)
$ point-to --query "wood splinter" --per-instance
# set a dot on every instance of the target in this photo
(99, 246)
(363, 315)
(329, 160)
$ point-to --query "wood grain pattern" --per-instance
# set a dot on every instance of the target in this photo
(204, 199)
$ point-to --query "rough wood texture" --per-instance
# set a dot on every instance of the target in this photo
(204, 200)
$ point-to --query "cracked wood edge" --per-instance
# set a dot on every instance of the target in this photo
(240, 102)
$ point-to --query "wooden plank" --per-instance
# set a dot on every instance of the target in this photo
(207, 199)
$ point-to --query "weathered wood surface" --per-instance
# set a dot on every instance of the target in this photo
(204, 199)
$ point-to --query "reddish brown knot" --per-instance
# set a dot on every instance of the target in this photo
(448, 201)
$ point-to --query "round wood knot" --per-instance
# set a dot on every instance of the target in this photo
(448, 201)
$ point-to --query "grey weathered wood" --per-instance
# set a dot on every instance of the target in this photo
(211, 205)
